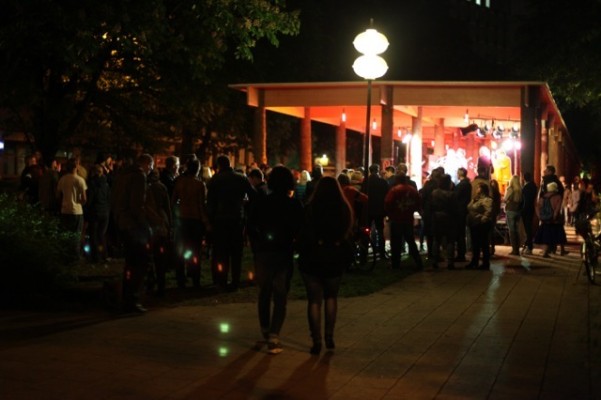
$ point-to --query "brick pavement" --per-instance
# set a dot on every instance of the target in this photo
(527, 329)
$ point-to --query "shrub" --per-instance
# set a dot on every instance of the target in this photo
(36, 256)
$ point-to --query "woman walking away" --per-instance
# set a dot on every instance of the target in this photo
(550, 231)
(479, 220)
(325, 251)
(273, 225)
(513, 211)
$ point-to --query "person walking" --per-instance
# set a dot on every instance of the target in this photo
(273, 226)
(325, 252)
(479, 220)
(513, 210)
(129, 200)
(227, 193)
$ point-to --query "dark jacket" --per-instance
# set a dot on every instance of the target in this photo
(444, 212)
(325, 245)
(129, 199)
(376, 190)
(463, 195)
(98, 198)
(529, 193)
(274, 223)
(227, 192)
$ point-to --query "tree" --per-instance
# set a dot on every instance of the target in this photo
(125, 71)
(564, 49)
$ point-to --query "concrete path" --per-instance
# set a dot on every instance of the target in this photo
(527, 329)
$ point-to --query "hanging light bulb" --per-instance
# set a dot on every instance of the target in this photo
(343, 117)
(466, 116)
(374, 125)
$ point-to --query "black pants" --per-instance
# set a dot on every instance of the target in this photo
(273, 274)
(460, 236)
(400, 232)
(228, 241)
(137, 249)
(189, 248)
(528, 219)
(481, 243)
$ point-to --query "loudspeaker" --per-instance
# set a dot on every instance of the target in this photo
(469, 129)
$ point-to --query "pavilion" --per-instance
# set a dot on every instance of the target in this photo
(520, 118)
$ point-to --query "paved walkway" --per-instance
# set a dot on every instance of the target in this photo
(527, 329)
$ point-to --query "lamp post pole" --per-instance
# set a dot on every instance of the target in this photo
(367, 143)
(369, 66)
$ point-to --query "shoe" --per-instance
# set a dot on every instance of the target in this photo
(564, 253)
(460, 259)
(274, 347)
(450, 267)
(527, 252)
(514, 253)
(134, 308)
(470, 266)
(546, 255)
(316, 348)
(484, 267)
(330, 345)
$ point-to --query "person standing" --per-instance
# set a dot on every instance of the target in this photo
(325, 252)
(189, 204)
(97, 213)
(401, 202)
(47, 188)
(495, 194)
(158, 206)
(227, 192)
(376, 189)
(529, 194)
(463, 195)
(169, 174)
(479, 220)
(444, 213)
(71, 192)
(550, 231)
(273, 225)
(129, 201)
(513, 210)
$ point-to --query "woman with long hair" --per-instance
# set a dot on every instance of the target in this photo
(324, 253)
(513, 211)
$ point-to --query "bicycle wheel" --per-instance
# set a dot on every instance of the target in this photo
(590, 258)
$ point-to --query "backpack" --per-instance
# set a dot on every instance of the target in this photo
(546, 211)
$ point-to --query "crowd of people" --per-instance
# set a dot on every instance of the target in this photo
(187, 213)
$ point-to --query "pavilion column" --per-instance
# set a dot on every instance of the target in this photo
(530, 131)
(387, 142)
(439, 145)
(305, 156)
(340, 147)
(260, 136)
(472, 154)
(415, 152)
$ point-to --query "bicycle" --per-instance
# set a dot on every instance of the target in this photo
(364, 248)
(590, 249)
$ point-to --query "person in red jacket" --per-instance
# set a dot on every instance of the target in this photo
(400, 203)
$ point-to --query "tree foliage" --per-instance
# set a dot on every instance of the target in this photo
(125, 71)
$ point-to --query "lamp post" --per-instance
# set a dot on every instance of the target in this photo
(369, 66)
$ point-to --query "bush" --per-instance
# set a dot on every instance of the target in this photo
(36, 256)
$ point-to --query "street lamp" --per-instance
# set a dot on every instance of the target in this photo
(369, 66)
